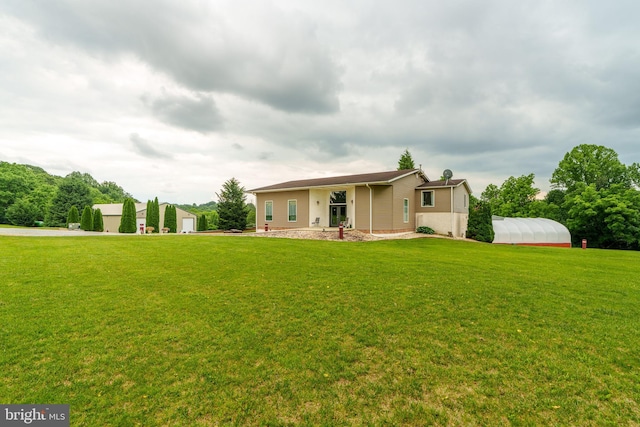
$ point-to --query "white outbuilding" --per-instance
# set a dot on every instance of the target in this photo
(530, 232)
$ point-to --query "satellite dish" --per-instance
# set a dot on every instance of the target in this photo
(447, 174)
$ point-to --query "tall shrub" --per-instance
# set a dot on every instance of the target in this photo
(98, 223)
(202, 223)
(153, 215)
(170, 218)
(128, 219)
(479, 226)
(73, 216)
(149, 216)
(86, 223)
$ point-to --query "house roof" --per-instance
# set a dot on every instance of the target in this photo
(445, 184)
(365, 178)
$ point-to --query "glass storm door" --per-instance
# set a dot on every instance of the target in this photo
(337, 214)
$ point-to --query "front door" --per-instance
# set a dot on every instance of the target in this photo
(337, 215)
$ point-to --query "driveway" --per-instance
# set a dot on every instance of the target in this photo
(4, 231)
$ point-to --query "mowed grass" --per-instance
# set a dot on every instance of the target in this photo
(239, 330)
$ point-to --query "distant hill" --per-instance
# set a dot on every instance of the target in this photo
(28, 193)
(199, 209)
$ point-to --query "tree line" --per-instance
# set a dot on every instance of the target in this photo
(593, 194)
(30, 196)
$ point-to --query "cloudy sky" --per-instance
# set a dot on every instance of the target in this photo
(173, 98)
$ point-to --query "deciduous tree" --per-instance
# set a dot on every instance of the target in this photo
(590, 164)
(23, 213)
(202, 222)
(607, 218)
(514, 198)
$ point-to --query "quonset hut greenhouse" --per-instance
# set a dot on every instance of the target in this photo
(530, 232)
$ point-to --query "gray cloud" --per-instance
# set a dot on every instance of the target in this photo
(491, 88)
(145, 149)
(197, 112)
(264, 55)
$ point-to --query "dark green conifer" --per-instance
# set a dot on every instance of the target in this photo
(98, 223)
(128, 219)
(170, 218)
(73, 216)
(86, 223)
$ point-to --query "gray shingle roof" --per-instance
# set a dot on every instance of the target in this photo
(365, 178)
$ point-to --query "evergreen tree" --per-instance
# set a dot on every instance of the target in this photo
(202, 222)
(155, 216)
(71, 192)
(479, 226)
(128, 219)
(73, 216)
(170, 218)
(149, 216)
(231, 206)
(406, 161)
(98, 223)
(86, 222)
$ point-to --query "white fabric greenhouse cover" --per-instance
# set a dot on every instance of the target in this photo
(530, 231)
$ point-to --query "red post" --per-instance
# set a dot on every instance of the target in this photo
(341, 231)
(266, 227)
(584, 243)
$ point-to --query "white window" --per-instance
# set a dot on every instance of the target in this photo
(428, 199)
(268, 210)
(293, 210)
(405, 210)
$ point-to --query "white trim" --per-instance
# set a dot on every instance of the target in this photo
(289, 210)
(265, 210)
(405, 210)
(433, 199)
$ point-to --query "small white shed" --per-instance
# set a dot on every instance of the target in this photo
(530, 232)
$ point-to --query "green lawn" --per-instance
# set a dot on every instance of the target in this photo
(239, 330)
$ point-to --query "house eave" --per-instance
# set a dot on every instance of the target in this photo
(463, 182)
(321, 187)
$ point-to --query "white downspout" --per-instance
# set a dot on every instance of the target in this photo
(370, 209)
(452, 230)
